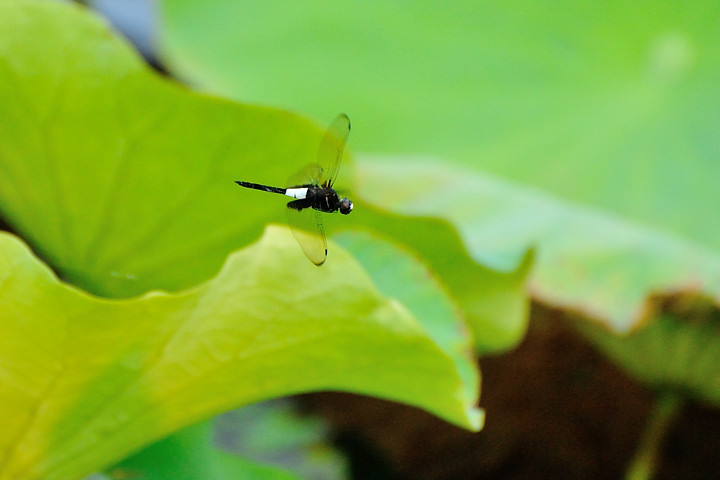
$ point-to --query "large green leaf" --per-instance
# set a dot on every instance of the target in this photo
(401, 276)
(123, 182)
(270, 431)
(87, 380)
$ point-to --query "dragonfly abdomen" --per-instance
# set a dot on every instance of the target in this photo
(264, 188)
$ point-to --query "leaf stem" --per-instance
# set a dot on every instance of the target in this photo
(645, 462)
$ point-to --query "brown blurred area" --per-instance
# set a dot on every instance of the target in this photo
(538, 400)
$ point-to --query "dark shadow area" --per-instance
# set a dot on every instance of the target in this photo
(4, 226)
(556, 409)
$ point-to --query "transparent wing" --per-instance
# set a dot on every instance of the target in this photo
(331, 149)
(309, 175)
(306, 225)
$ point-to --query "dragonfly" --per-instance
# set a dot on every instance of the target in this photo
(313, 192)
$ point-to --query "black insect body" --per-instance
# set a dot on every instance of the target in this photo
(324, 199)
(312, 189)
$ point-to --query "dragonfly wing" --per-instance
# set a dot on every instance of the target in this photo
(306, 225)
(331, 149)
(309, 175)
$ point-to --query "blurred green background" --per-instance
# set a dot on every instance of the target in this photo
(607, 104)
(586, 131)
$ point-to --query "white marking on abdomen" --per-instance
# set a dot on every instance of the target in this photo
(299, 193)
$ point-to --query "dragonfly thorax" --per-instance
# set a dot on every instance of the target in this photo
(324, 199)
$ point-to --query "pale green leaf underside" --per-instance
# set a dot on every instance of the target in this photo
(87, 380)
(587, 260)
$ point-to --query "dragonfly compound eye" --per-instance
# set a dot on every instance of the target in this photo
(346, 206)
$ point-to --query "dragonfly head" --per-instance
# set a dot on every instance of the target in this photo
(346, 206)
